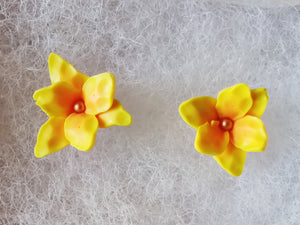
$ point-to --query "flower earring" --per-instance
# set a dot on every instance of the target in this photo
(77, 105)
(229, 126)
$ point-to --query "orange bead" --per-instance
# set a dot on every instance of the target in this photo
(79, 107)
(226, 124)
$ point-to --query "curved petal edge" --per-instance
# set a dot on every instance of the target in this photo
(57, 100)
(61, 70)
(211, 140)
(51, 137)
(198, 110)
(115, 116)
(249, 134)
(234, 102)
(260, 100)
(80, 130)
(232, 160)
(98, 93)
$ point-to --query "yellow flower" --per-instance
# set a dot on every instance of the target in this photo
(76, 105)
(229, 126)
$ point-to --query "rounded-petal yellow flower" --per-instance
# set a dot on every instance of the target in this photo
(228, 127)
(77, 106)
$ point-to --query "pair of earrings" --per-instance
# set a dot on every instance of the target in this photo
(77, 105)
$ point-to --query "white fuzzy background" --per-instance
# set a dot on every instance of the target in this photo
(162, 53)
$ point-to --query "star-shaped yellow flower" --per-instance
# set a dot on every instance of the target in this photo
(77, 105)
(229, 126)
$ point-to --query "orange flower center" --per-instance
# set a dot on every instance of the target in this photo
(79, 106)
(226, 124)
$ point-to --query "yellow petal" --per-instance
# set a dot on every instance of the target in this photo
(234, 102)
(116, 115)
(57, 99)
(249, 134)
(260, 100)
(51, 137)
(98, 93)
(199, 110)
(61, 70)
(80, 130)
(232, 160)
(211, 140)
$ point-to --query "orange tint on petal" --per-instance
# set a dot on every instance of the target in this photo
(57, 99)
(80, 130)
(211, 140)
(249, 134)
(98, 93)
(61, 70)
(199, 110)
(115, 116)
(51, 137)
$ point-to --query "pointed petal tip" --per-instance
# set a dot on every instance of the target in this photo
(38, 154)
(53, 56)
(260, 100)
(232, 160)
(35, 95)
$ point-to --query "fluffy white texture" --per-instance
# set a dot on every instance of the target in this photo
(265, 3)
(162, 53)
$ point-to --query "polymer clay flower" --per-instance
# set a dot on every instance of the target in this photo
(229, 126)
(77, 105)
